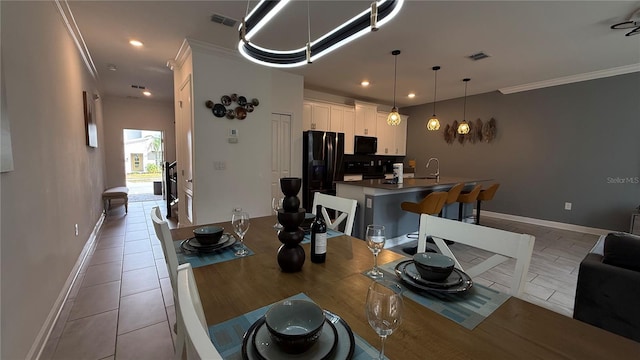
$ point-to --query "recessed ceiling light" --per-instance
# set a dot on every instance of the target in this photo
(135, 43)
(112, 67)
(364, 83)
(146, 93)
(411, 95)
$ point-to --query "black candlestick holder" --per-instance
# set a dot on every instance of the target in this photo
(290, 254)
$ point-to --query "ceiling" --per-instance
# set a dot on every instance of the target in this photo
(527, 41)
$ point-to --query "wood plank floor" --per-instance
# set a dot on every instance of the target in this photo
(121, 306)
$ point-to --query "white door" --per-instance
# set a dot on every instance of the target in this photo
(185, 162)
(280, 151)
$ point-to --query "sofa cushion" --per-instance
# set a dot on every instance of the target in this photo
(622, 250)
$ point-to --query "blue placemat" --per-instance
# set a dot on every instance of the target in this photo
(227, 336)
(198, 259)
(467, 309)
(330, 234)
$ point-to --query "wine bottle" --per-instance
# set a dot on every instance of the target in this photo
(318, 237)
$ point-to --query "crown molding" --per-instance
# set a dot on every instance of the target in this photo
(72, 27)
(189, 45)
(572, 79)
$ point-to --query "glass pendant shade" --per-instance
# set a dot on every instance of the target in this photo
(463, 127)
(433, 124)
(394, 117)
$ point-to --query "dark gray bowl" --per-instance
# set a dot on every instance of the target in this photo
(433, 266)
(208, 235)
(294, 325)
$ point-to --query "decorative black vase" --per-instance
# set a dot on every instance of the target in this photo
(290, 254)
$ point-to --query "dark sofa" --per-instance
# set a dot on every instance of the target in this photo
(608, 289)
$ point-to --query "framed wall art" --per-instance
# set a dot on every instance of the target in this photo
(89, 120)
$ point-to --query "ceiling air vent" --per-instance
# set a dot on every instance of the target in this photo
(478, 56)
(138, 87)
(221, 19)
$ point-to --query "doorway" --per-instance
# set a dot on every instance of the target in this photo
(143, 164)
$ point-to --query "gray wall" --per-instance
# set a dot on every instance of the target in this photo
(577, 143)
(57, 180)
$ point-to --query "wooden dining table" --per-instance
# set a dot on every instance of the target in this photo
(516, 330)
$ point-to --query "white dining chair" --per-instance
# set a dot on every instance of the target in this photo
(503, 244)
(194, 324)
(163, 233)
(345, 211)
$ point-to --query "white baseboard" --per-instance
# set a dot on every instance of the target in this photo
(547, 223)
(402, 239)
(43, 336)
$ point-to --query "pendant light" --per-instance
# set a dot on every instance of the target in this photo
(394, 117)
(463, 128)
(434, 124)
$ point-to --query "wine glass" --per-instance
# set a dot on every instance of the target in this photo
(240, 223)
(276, 203)
(375, 242)
(384, 309)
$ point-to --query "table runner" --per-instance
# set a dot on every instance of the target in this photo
(468, 309)
(330, 233)
(227, 336)
(197, 259)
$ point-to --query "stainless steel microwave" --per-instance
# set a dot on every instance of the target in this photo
(366, 145)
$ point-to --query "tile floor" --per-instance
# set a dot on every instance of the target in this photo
(121, 306)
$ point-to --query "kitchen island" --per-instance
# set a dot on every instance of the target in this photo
(379, 201)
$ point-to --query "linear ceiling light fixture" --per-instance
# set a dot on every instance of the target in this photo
(394, 117)
(464, 128)
(434, 124)
(378, 14)
(633, 22)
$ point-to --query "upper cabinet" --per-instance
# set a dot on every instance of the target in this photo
(392, 140)
(343, 120)
(321, 116)
(363, 119)
(366, 115)
(315, 116)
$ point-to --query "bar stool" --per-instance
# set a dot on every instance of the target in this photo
(452, 195)
(431, 204)
(467, 198)
(485, 195)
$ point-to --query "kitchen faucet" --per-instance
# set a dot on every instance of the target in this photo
(437, 173)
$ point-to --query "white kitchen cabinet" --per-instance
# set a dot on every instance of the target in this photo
(401, 136)
(315, 116)
(392, 140)
(343, 120)
(386, 135)
(366, 119)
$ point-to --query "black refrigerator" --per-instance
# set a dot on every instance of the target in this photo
(323, 155)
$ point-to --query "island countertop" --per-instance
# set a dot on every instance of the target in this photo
(412, 184)
(379, 201)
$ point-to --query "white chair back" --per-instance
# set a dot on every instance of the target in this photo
(194, 324)
(163, 233)
(345, 211)
(503, 244)
(166, 241)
